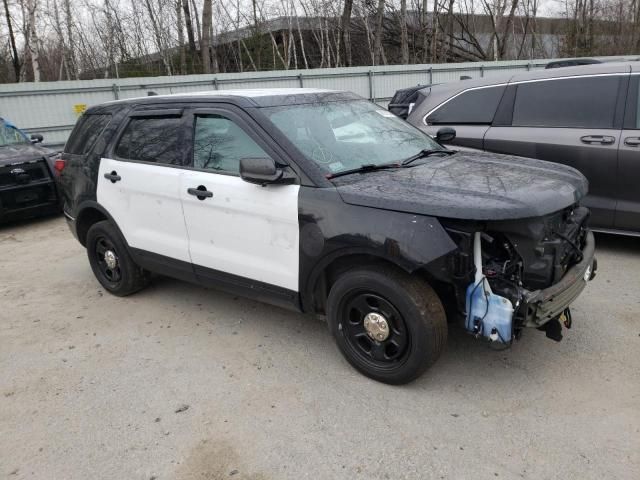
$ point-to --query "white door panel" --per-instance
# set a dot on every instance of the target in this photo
(244, 229)
(146, 206)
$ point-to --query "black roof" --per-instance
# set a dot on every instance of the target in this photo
(250, 98)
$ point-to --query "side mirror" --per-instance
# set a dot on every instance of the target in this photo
(445, 134)
(36, 138)
(263, 171)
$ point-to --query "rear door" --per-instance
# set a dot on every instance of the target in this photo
(628, 211)
(469, 112)
(240, 234)
(139, 184)
(573, 120)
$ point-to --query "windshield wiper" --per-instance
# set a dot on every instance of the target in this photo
(423, 154)
(368, 167)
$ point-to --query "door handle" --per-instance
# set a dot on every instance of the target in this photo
(201, 192)
(600, 139)
(632, 141)
(113, 176)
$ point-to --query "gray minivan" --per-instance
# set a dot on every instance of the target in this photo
(587, 117)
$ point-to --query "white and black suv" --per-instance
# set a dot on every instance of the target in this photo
(325, 203)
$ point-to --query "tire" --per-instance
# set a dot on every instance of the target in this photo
(416, 324)
(125, 277)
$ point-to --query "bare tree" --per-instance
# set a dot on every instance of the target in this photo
(377, 45)
(15, 59)
(205, 42)
(345, 32)
(31, 37)
(404, 32)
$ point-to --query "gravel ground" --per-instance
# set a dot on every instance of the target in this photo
(94, 386)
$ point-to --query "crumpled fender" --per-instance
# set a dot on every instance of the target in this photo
(331, 229)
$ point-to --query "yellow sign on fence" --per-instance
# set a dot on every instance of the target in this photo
(79, 108)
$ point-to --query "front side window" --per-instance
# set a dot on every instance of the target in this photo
(219, 144)
(587, 102)
(10, 135)
(155, 139)
(340, 136)
(473, 107)
(86, 132)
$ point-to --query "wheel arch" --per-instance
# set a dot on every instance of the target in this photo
(329, 268)
(90, 213)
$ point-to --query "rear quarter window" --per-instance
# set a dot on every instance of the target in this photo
(153, 139)
(86, 132)
(471, 107)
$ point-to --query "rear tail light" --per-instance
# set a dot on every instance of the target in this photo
(59, 165)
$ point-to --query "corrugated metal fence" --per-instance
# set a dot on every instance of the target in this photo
(52, 108)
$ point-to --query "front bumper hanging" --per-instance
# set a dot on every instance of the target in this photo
(549, 303)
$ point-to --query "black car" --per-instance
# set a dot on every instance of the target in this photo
(587, 117)
(322, 202)
(27, 186)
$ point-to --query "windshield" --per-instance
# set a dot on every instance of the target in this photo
(341, 136)
(10, 135)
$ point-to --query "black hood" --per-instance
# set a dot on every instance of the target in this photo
(468, 185)
(22, 152)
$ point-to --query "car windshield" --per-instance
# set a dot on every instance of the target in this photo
(341, 136)
(10, 135)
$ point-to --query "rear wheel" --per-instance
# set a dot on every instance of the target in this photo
(111, 262)
(390, 326)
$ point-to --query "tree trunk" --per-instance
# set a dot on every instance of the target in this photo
(15, 59)
(345, 32)
(377, 45)
(404, 34)
(180, 27)
(435, 20)
(256, 35)
(190, 37)
(71, 44)
(195, 15)
(425, 32)
(449, 47)
(33, 39)
(205, 43)
(507, 29)
(304, 55)
(158, 36)
(63, 49)
(239, 41)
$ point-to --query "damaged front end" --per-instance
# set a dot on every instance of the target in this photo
(511, 274)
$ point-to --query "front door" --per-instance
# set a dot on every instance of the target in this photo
(139, 185)
(239, 233)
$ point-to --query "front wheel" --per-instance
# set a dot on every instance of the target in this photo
(111, 262)
(389, 325)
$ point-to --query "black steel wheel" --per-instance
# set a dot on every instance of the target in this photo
(111, 262)
(107, 258)
(389, 325)
(375, 329)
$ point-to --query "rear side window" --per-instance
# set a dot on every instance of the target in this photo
(85, 133)
(155, 139)
(470, 107)
(588, 102)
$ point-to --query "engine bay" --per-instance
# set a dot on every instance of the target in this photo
(518, 258)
